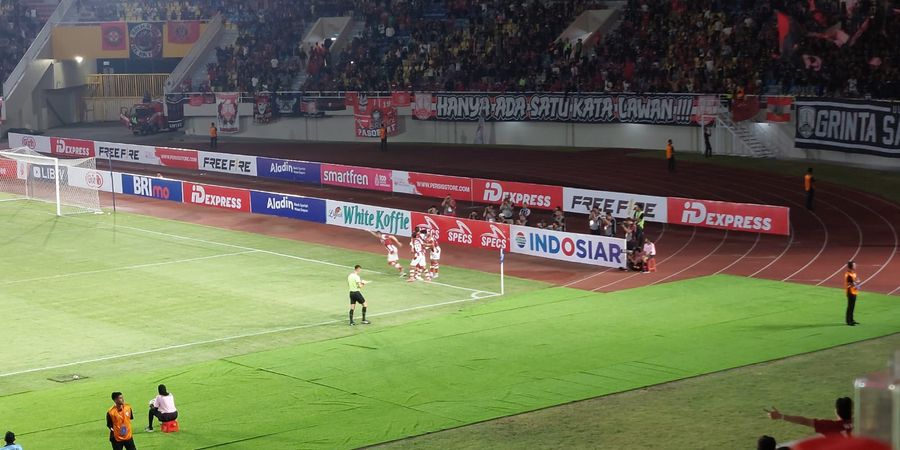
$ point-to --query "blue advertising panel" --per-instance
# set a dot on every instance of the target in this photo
(291, 206)
(151, 187)
(283, 169)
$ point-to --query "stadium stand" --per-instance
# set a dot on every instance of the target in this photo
(19, 25)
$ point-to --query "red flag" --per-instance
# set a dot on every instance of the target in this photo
(184, 32)
(778, 109)
(351, 98)
(787, 34)
(113, 36)
(744, 109)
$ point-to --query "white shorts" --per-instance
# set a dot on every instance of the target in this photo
(435, 254)
(392, 257)
(418, 261)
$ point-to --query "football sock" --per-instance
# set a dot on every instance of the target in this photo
(351, 315)
(364, 313)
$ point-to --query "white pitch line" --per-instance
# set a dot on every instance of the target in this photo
(118, 269)
(284, 255)
(474, 296)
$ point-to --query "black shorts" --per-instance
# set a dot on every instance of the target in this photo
(356, 297)
(123, 445)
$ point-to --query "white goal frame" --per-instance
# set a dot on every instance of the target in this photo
(27, 156)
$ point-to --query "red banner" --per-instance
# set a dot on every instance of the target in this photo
(431, 185)
(778, 109)
(465, 232)
(76, 148)
(423, 107)
(357, 177)
(186, 32)
(216, 196)
(729, 216)
(744, 108)
(177, 157)
(371, 113)
(538, 196)
(8, 168)
(400, 98)
(113, 36)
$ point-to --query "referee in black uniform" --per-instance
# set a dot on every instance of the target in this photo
(355, 283)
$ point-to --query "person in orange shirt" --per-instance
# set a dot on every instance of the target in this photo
(851, 284)
(213, 136)
(382, 133)
(809, 185)
(118, 420)
(670, 155)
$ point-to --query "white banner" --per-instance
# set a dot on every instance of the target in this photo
(142, 154)
(101, 180)
(367, 217)
(36, 143)
(227, 163)
(616, 203)
(572, 247)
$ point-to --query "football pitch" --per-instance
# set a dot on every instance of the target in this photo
(249, 332)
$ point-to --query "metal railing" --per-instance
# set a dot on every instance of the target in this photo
(126, 85)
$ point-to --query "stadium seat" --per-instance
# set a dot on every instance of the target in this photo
(170, 426)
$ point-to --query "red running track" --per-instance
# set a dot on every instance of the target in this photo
(846, 224)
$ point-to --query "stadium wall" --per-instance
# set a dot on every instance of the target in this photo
(338, 127)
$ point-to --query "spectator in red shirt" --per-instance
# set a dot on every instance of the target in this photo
(842, 426)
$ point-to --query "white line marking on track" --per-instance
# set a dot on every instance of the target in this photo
(758, 235)
(658, 238)
(239, 336)
(118, 269)
(713, 252)
(786, 248)
(661, 262)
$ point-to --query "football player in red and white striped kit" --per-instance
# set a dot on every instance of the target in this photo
(417, 265)
(393, 254)
(432, 242)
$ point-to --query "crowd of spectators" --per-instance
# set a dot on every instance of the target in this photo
(453, 45)
(18, 27)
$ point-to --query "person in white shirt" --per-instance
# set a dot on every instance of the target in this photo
(649, 253)
(162, 407)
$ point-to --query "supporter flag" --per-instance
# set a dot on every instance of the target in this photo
(113, 36)
(371, 113)
(145, 40)
(423, 107)
(262, 107)
(175, 110)
(227, 116)
(287, 104)
(745, 108)
(196, 100)
(787, 35)
(778, 109)
(400, 98)
(183, 32)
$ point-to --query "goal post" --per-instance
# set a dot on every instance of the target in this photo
(70, 184)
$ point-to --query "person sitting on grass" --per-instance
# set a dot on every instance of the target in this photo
(843, 408)
(10, 439)
(162, 407)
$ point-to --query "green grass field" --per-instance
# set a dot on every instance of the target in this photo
(259, 356)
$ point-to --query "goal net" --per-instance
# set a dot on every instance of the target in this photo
(72, 185)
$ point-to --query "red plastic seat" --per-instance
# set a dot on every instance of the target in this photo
(170, 426)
